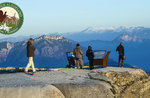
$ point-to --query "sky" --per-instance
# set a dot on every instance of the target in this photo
(50, 16)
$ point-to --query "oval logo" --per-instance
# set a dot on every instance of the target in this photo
(11, 18)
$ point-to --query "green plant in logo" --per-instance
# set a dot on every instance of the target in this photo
(11, 18)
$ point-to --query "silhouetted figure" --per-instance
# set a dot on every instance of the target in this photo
(90, 55)
(2, 16)
(120, 49)
(30, 55)
(79, 56)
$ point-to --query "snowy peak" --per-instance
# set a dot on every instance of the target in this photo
(97, 29)
(129, 38)
(54, 37)
(114, 29)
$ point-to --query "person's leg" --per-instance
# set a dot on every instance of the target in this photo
(122, 62)
(33, 69)
(28, 65)
(92, 64)
(119, 60)
(77, 64)
(81, 63)
(119, 63)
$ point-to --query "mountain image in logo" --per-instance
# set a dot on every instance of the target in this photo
(11, 18)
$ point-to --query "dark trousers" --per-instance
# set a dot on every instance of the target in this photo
(121, 59)
(91, 64)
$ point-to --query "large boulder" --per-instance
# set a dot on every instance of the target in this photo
(48, 91)
(125, 82)
(101, 90)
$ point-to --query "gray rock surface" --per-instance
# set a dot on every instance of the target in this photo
(73, 76)
(101, 90)
(48, 91)
(107, 82)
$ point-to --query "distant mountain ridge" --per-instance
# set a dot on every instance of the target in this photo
(18, 38)
(114, 29)
(50, 52)
(5, 48)
(22, 38)
(93, 33)
(108, 34)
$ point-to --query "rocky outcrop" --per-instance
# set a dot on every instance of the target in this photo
(125, 82)
(109, 82)
(5, 48)
(101, 90)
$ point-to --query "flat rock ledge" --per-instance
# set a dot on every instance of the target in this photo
(109, 82)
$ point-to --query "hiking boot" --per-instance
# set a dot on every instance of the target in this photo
(26, 72)
(34, 71)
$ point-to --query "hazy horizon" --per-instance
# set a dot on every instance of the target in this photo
(77, 31)
(50, 16)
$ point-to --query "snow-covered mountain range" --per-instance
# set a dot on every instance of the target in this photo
(114, 29)
(95, 33)
(129, 38)
(109, 33)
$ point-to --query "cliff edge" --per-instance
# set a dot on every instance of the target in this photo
(109, 82)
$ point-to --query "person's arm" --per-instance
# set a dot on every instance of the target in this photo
(117, 49)
(81, 52)
(92, 54)
(27, 47)
(34, 48)
(87, 53)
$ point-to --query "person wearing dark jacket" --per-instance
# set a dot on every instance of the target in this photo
(120, 49)
(90, 55)
(79, 56)
(30, 55)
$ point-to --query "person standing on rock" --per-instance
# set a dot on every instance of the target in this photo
(120, 49)
(90, 55)
(30, 55)
(79, 56)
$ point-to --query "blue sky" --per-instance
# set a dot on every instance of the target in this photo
(47, 16)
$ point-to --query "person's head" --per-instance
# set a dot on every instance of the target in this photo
(89, 48)
(31, 40)
(121, 43)
(78, 45)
